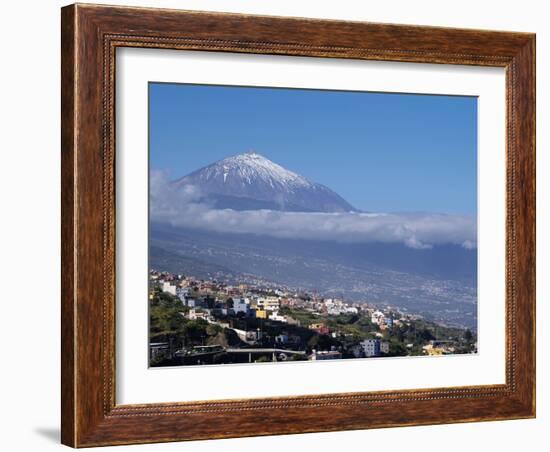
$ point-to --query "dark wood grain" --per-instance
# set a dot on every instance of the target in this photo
(90, 36)
(68, 332)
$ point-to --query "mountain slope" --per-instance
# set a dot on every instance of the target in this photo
(439, 283)
(251, 181)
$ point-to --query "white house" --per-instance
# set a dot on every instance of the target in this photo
(377, 317)
(276, 317)
(169, 288)
(202, 314)
(241, 305)
(271, 303)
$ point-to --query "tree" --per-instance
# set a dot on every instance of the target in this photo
(194, 332)
(209, 301)
(213, 329)
(321, 342)
(165, 317)
(400, 334)
(285, 310)
(427, 335)
(397, 349)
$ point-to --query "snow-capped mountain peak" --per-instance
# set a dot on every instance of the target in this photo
(252, 166)
(250, 181)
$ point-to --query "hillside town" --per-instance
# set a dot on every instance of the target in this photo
(196, 321)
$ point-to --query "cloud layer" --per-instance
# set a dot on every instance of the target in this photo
(185, 207)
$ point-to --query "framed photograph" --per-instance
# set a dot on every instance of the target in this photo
(281, 225)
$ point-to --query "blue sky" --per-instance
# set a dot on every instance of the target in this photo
(381, 152)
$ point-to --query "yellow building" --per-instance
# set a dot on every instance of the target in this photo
(433, 351)
(261, 314)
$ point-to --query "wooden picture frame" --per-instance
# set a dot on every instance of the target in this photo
(90, 36)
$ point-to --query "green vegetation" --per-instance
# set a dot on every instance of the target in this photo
(166, 321)
(168, 324)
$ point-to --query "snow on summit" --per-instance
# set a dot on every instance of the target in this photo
(252, 166)
(250, 181)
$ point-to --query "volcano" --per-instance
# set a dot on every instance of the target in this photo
(250, 181)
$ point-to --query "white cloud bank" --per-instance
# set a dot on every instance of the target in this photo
(184, 207)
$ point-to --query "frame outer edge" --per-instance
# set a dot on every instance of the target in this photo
(525, 62)
(68, 230)
(86, 419)
(534, 225)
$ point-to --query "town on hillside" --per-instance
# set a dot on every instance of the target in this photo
(194, 321)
